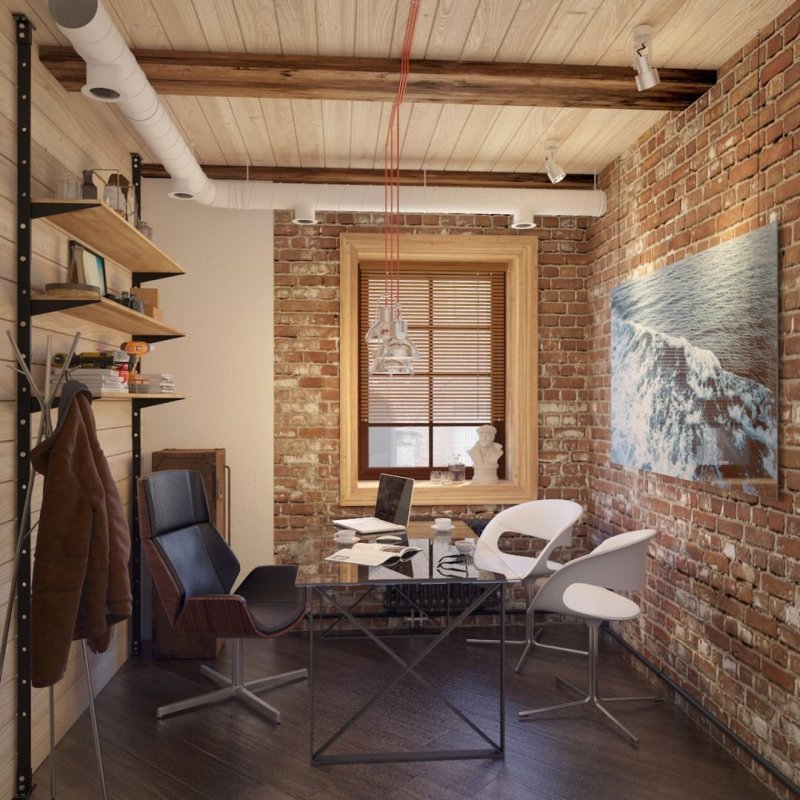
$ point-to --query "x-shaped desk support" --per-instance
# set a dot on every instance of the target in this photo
(495, 749)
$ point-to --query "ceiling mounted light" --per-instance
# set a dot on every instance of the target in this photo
(103, 82)
(305, 214)
(522, 220)
(555, 172)
(181, 189)
(647, 75)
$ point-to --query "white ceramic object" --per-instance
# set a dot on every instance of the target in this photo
(346, 537)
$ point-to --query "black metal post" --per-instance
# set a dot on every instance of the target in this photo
(136, 469)
(24, 774)
(136, 176)
(136, 554)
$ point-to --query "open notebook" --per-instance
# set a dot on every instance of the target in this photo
(392, 507)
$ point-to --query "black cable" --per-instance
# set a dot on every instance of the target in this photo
(717, 723)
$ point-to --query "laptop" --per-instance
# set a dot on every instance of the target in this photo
(392, 507)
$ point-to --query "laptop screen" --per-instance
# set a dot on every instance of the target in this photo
(394, 499)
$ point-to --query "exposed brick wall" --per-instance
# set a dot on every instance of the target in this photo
(721, 607)
(307, 358)
(720, 612)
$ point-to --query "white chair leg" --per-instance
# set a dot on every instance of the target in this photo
(534, 642)
(592, 696)
(235, 688)
(508, 641)
(496, 641)
(524, 656)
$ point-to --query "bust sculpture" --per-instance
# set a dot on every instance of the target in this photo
(485, 454)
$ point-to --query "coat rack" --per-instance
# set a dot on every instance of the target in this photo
(45, 398)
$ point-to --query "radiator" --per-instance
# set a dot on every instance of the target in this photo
(438, 598)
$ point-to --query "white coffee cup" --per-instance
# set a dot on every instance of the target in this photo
(465, 546)
(443, 523)
(346, 535)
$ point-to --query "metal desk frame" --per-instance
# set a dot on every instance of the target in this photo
(320, 755)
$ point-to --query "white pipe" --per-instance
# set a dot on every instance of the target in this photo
(91, 32)
(415, 199)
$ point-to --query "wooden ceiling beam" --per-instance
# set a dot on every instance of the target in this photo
(363, 177)
(179, 72)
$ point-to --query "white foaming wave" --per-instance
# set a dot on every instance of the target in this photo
(667, 395)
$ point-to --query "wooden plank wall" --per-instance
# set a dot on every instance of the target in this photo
(70, 134)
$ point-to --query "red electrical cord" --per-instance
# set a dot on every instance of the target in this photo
(391, 171)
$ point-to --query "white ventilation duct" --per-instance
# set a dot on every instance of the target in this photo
(92, 33)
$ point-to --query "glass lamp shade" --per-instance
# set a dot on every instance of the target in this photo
(380, 326)
(397, 353)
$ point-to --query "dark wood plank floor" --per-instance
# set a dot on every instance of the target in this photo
(227, 752)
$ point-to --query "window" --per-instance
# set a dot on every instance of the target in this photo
(455, 289)
(411, 424)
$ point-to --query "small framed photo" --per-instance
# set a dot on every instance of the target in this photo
(87, 267)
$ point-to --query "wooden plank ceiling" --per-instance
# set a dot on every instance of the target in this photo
(294, 85)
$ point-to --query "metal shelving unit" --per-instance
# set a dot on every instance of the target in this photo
(100, 228)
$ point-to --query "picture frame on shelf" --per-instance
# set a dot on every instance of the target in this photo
(87, 267)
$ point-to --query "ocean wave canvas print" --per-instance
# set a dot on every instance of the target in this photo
(694, 366)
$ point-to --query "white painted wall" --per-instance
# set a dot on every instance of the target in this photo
(224, 365)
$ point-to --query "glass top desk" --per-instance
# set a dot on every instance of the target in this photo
(434, 564)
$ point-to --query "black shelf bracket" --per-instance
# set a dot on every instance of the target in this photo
(23, 785)
(53, 208)
(139, 278)
(49, 306)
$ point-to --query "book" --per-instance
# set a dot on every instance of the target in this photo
(373, 554)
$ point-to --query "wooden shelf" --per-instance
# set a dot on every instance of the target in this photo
(101, 311)
(102, 229)
(148, 397)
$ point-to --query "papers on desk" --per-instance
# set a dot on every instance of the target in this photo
(373, 554)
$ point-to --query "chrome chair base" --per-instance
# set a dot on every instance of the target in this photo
(592, 698)
(534, 642)
(533, 630)
(234, 688)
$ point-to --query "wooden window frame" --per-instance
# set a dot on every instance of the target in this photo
(518, 254)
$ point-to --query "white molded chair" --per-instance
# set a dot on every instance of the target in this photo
(549, 520)
(581, 588)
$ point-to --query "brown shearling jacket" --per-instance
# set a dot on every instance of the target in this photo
(81, 584)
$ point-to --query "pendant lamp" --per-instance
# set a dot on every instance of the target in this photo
(393, 353)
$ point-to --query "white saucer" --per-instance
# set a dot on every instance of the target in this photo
(443, 530)
(341, 540)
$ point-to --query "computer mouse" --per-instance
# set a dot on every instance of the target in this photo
(388, 538)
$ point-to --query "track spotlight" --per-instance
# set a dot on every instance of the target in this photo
(647, 75)
(553, 170)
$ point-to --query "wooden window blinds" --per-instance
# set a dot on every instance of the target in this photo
(456, 317)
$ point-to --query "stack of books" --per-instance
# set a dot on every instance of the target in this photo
(156, 382)
(101, 381)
